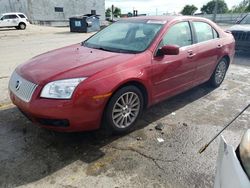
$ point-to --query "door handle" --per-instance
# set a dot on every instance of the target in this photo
(219, 46)
(191, 54)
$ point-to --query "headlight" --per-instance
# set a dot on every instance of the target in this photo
(61, 89)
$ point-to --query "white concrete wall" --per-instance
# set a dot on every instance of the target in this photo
(13, 6)
(44, 10)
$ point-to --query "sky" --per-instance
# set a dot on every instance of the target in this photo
(152, 7)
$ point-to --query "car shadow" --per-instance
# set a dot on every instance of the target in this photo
(29, 153)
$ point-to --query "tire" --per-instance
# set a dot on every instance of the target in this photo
(22, 26)
(123, 110)
(219, 73)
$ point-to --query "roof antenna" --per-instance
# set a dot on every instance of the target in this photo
(206, 145)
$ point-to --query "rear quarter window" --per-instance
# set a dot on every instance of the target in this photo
(21, 16)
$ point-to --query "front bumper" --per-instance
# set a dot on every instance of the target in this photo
(82, 114)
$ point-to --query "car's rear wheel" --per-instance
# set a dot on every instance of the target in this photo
(123, 109)
(22, 26)
(219, 73)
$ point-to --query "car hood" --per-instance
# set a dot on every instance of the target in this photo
(245, 27)
(69, 62)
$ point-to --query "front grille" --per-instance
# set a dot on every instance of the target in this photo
(241, 35)
(21, 87)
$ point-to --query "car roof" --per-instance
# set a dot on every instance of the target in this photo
(9, 13)
(166, 18)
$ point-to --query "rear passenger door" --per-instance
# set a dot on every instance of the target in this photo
(208, 50)
(13, 20)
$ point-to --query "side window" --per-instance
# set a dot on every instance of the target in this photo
(13, 16)
(5, 17)
(179, 34)
(203, 31)
(21, 15)
(58, 9)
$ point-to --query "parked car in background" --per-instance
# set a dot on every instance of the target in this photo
(121, 70)
(15, 19)
(241, 33)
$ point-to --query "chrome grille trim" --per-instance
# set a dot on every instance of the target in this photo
(24, 90)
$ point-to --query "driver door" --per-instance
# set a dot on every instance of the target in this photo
(173, 74)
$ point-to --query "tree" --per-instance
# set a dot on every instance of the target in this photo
(108, 12)
(189, 10)
(244, 6)
(117, 12)
(209, 7)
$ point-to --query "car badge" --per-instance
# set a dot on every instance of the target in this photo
(18, 84)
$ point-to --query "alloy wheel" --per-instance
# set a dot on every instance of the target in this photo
(220, 72)
(126, 109)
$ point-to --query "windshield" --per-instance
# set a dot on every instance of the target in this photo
(246, 20)
(125, 36)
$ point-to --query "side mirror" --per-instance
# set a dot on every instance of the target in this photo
(1, 19)
(169, 50)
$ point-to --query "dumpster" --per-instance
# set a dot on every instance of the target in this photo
(84, 23)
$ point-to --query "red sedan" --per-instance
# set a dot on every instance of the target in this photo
(121, 70)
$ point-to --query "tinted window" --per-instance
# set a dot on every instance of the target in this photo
(12, 16)
(21, 15)
(5, 17)
(204, 31)
(246, 20)
(58, 9)
(179, 34)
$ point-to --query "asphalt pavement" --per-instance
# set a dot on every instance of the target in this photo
(147, 157)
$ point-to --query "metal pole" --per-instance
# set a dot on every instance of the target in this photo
(112, 12)
(215, 10)
(206, 145)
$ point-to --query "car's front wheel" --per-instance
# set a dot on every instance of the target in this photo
(123, 109)
(219, 73)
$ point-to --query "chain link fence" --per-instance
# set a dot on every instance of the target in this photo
(229, 18)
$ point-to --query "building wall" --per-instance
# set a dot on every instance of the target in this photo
(13, 6)
(43, 11)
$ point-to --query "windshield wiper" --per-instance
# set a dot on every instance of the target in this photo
(104, 49)
(108, 49)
